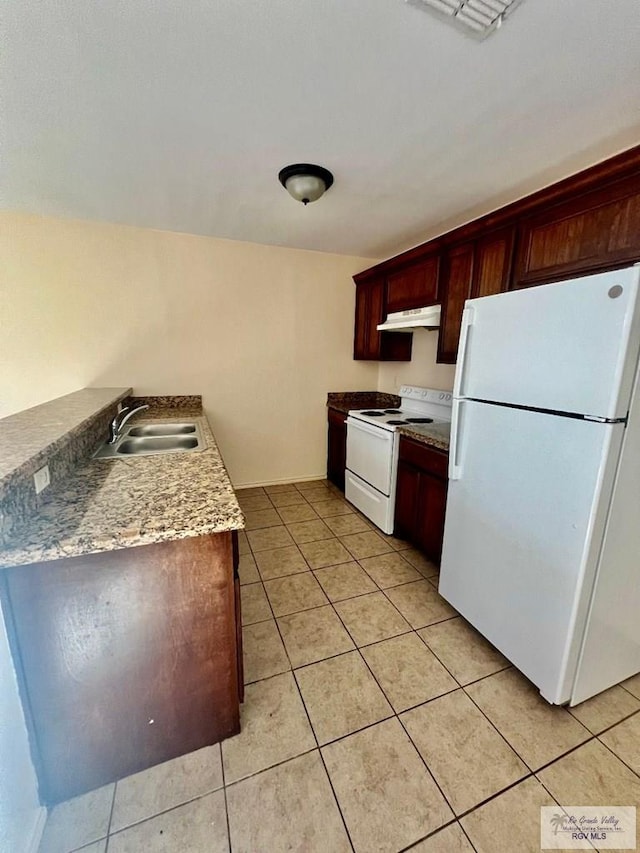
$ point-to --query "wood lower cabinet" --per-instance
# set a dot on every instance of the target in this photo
(421, 496)
(125, 658)
(415, 286)
(336, 447)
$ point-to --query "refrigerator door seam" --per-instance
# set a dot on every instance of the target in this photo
(554, 412)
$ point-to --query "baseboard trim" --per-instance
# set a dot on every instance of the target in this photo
(36, 832)
(259, 484)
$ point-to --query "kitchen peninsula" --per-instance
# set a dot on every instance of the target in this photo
(119, 590)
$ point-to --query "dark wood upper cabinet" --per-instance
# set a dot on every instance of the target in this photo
(597, 231)
(586, 223)
(415, 286)
(457, 277)
(492, 263)
(368, 343)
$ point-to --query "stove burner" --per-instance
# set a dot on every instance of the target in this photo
(392, 412)
(397, 423)
(420, 420)
(373, 414)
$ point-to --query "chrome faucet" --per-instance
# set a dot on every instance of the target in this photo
(115, 427)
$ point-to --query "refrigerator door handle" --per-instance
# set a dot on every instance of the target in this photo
(467, 322)
(455, 468)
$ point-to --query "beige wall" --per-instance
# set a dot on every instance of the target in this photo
(262, 332)
(421, 370)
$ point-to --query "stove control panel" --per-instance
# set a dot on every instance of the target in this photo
(426, 395)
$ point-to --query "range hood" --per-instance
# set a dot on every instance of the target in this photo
(412, 318)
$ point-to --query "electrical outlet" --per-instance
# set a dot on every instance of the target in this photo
(41, 479)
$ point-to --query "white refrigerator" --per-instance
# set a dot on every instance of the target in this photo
(542, 534)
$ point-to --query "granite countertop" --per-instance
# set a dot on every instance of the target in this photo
(344, 401)
(435, 435)
(107, 504)
(26, 436)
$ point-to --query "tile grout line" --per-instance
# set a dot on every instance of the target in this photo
(397, 717)
(560, 806)
(454, 822)
(526, 763)
(393, 713)
(615, 754)
(530, 774)
(224, 791)
(162, 811)
(111, 810)
(324, 765)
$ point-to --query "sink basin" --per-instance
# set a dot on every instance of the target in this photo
(136, 446)
(162, 429)
(149, 439)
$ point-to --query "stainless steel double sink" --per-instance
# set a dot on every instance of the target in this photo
(184, 437)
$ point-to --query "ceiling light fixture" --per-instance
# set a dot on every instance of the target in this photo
(477, 18)
(305, 182)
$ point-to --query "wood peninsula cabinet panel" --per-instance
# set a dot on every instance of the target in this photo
(597, 231)
(336, 447)
(368, 343)
(458, 268)
(415, 286)
(421, 496)
(125, 658)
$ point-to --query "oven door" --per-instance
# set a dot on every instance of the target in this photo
(370, 454)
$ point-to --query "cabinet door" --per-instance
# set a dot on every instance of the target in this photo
(421, 495)
(407, 490)
(376, 313)
(431, 509)
(457, 280)
(415, 286)
(492, 263)
(362, 322)
(337, 447)
(597, 231)
(128, 658)
(368, 343)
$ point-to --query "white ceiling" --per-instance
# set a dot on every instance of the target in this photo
(178, 114)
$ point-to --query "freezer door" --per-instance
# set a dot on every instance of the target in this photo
(527, 498)
(568, 347)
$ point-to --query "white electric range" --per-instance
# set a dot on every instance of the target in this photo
(372, 449)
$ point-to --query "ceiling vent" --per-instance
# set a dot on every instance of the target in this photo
(477, 18)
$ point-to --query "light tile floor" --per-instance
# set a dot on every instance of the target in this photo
(375, 717)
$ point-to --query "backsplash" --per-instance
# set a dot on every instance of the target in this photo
(60, 434)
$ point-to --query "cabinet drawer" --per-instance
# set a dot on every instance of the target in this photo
(427, 458)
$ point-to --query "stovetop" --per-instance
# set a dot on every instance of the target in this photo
(417, 406)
